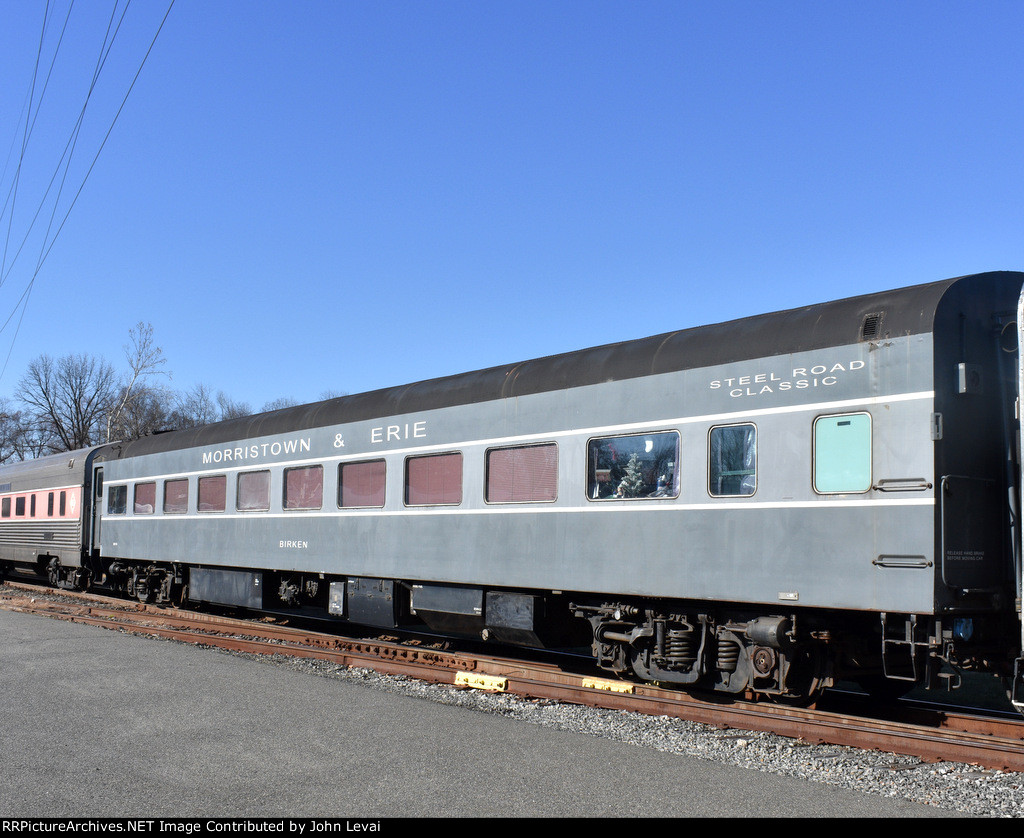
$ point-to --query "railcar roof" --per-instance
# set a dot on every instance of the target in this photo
(906, 311)
(51, 470)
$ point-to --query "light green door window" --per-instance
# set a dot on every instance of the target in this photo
(842, 453)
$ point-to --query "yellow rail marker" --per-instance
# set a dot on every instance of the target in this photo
(481, 682)
(610, 686)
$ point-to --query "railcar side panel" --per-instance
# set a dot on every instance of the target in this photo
(786, 542)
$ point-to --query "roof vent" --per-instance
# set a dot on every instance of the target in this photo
(871, 328)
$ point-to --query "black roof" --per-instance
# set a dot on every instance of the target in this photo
(904, 311)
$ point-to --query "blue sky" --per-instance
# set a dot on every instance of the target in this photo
(323, 195)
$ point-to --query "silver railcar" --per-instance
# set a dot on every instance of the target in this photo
(44, 514)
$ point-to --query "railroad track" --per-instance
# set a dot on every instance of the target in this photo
(929, 735)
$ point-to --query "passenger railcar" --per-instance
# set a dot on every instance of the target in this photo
(44, 507)
(764, 505)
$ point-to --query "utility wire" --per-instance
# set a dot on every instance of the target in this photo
(31, 118)
(65, 158)
(108, 44)
(46, 248)
(24, 139)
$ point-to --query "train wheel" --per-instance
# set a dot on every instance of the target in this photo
(139, 586)
(806, 678)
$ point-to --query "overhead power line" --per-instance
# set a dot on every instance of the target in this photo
(63, 165)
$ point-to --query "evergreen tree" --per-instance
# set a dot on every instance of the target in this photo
(632, 483)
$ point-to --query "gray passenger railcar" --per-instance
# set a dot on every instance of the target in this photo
(763, 505)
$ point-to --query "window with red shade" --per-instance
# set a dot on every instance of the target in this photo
(176, 496)
(213, 493)
(524, 474)
(361, 484)
(433, 479)
(145, 498)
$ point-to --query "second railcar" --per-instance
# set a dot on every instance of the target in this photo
(45, 514)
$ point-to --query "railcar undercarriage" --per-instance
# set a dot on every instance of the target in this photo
(735, 654)
(68, 578)
(793, 656)
(693, 645)
(147, 581)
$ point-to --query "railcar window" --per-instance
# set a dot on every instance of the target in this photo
(19, 506)
(176, 496)
(213, 493)
(117, 500)
(253, 491)
(522, 474)
(49, 505)
(361, 484)
(304, 487)
(842, 453)
(635, 467)
(433, 479)
(64, 500)
(145, 498)
(732, 460)
(32, 506)
(5, 508)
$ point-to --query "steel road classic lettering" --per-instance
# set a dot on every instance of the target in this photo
(802, 378)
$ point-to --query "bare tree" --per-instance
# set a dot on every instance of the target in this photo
(198, 406)
(10, 427)
(69, 398)
(21, 436)
(80, 400)
(230, 409)
(194, 407)
(12, 423)
(32, 438)
(278, 404)
(136, 410)
(147, 410)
